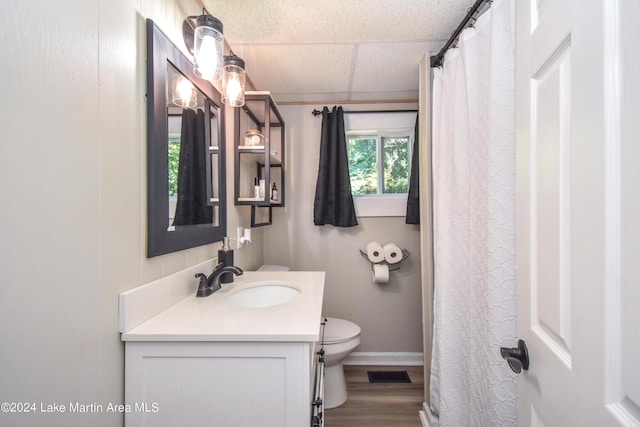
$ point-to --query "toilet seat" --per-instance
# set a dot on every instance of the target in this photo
(339, 330)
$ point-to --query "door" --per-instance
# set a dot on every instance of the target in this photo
(578, 210)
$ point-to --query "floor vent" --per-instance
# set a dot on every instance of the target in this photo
(388, 377)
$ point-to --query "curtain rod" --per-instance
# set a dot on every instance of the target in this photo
(318, 112)
(353, 101)
(467, 21)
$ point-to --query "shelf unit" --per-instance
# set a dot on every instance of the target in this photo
(264, 162)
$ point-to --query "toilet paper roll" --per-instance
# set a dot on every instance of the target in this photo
(375, 253)
(392, 253)
(380, 273)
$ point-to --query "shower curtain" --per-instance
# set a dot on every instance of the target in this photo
(474, 225)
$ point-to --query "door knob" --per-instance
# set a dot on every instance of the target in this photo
(517, 358)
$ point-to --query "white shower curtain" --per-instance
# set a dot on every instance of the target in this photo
(474, 225)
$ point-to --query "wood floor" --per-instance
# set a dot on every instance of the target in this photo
(372, 405)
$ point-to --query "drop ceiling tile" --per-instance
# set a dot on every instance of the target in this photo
(387, 67)
(337, 20)
(337, 49)
(299, 68)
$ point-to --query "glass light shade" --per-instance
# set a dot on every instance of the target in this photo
(233, 81)
(208, 48)
(184, 93)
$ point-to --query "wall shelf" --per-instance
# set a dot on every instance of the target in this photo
(263, 162)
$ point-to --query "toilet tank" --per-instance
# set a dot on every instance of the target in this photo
(272, 267)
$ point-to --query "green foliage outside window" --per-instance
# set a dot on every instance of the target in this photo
(364, 159)
(396, 164)
(174, 162)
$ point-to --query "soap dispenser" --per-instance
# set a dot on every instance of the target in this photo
(225, 256)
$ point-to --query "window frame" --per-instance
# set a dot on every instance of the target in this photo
(381, 123)
(379, 136)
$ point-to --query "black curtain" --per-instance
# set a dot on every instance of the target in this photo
(333, 202)
(413, 198)
(192, 205)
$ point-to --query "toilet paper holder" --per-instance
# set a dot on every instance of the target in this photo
(392, 267)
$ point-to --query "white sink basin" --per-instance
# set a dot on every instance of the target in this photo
(264, 294)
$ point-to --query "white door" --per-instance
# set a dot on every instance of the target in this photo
(578, 211)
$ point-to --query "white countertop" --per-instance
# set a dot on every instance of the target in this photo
(213, 319)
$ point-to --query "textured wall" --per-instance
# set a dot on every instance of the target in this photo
(73, 173)
(390, 315)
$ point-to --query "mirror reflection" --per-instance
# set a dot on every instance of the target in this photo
(192, 149)
(186, 155)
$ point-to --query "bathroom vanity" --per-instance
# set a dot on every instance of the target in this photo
(243, 356)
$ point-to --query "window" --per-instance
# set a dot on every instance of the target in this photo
(379, 164)
(380, 146)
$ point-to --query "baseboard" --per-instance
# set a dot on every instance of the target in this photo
(385, 359)
(427, 418)
(423, 419)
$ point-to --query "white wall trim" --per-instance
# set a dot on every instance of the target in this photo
(385, 359)
(427, 418)
(426, 217)
(376, 206)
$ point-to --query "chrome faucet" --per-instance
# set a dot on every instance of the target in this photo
(209, 285)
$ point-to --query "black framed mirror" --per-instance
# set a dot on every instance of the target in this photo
(186, 191)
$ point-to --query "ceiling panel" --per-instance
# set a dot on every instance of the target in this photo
(295, 21)
(333, 50)
(392, 66)
(300, 68)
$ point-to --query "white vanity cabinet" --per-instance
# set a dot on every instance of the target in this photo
(218, 384)
(211, 362)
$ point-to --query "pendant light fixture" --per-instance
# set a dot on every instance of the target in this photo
(203, 36)
(233, 80)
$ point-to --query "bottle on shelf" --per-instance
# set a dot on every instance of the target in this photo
(256, 188)
(274, 192)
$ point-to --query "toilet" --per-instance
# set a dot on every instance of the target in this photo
(340, 338)
(270, 267)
